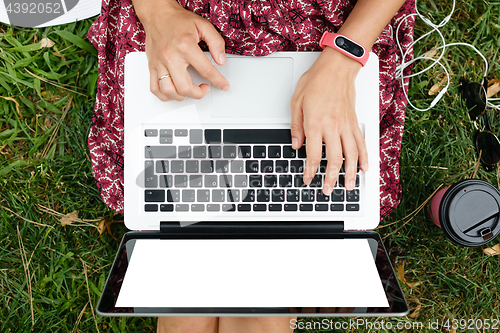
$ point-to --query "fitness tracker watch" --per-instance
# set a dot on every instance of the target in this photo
(345, 46)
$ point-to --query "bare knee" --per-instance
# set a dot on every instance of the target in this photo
(187, 325)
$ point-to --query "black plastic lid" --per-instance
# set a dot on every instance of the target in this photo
(469, 212)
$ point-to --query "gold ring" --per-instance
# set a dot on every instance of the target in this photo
(164, 76)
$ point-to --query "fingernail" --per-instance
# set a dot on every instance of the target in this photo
(222, 59)
(225, 88)
(307, 181)
(327, 190)
(365, 166)
(351, 184)
(295, 143)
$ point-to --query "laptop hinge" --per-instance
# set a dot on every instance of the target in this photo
(253, 228)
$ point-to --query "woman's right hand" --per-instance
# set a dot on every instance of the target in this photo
(172, 37)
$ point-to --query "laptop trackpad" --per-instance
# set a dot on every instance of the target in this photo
(260, 88)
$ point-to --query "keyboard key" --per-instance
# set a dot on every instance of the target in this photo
(188, 195)
(285, 180)
(228, 208)
(181, 132)
(274, 151)
(320, 197)
(317, 181)
(207, 166)
(274, 136)
(352, 207)
(150, 179)
(218, 196)
(161, 166)
(248, 195)
(337, 207)
(196, 136)
(270, 181)
(275, 207)
(306, 207)
(322, 166)
(357, 181)
(259, 207)
(244, 151)
(150, 208)
(308, 195)
(290, 207)
(337, 195)
(173, 195)
(177, 166)
(281, 166)
(299, 181)
(263, 195)
(266, 166)
(252, 166)
(240, 181)
(213, 207)
(210, 180)
(180, 180)
(200, 152)
(255, 181)
(159, 152)
(195, 181)
(341, 181)
(229, 152)
(166, 136)
(214, 152)
(191, 166)
(237, 167)
(321, 207)
(278, 195)
(166, 208)
(233, 195)
(181, 207)
(203, 195)
(154, 196)
(213, 136)
(297, 166)
(301, 152)
(259, 151)
(151, 132)
(226, 181)
(293, 195)
(184, 152)
(323, 151)
(353, 196)
(289, 152)
(222, 166)
(244, 207)
(166, 181)
(197, 207)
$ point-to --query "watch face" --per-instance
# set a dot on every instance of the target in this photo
(348, 46)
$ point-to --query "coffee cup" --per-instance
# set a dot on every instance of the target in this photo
(468, 212)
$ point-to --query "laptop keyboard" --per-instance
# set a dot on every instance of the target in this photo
(213, 170)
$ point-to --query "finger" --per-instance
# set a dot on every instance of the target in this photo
(182, 81)
(314, 146)
(350, 151)
(297, 126)
(154, 85)
(202, 64)
(335, 160)
(362, 151)
(215, 42)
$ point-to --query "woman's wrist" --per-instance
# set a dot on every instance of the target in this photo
(145, 9)
(340, 63)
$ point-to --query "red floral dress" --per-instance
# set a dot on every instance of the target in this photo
(252, 28)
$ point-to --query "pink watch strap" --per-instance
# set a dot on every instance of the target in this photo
(329, 39)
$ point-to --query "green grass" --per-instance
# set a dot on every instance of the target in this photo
(44, 162)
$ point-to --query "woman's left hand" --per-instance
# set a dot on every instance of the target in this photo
(323, 110)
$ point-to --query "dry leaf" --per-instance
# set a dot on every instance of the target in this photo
(453, 330)
(493, 88)
(105, 224)
(401, 277)
(416, 312)
(435, 89)
(69, 218)
(46, 43)
(492, 251)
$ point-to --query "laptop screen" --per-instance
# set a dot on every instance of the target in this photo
(337, 276)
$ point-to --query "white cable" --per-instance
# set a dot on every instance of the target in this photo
(435, 28)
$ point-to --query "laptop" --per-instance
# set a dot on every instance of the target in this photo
(222, 222)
